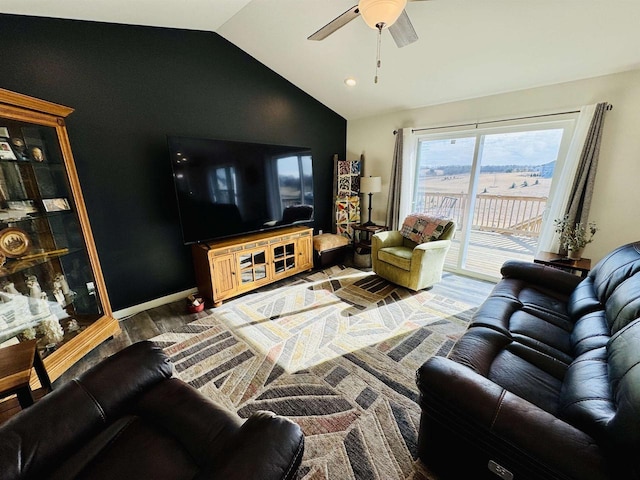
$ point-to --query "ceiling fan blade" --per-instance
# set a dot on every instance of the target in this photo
(335, 24)
(402, 31)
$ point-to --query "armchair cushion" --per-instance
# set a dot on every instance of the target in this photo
(397, 256)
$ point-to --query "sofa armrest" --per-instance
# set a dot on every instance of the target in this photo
(267, 447)
(541, 275)
(512, 422)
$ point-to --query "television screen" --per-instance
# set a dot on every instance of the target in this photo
(227, 188)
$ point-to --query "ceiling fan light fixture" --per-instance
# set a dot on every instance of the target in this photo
(381, 12)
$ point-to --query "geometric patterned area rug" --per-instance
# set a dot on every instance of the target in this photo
(335, 351)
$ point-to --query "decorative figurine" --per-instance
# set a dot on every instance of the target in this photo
(34, 287)
(37, 155)
(38, 300)
(20, 148)
(10, 287)
(60, 285)
(58, 295)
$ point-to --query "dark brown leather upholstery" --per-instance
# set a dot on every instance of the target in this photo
(128, 419)
(545, 383)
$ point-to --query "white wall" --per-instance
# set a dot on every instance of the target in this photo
(616, 202)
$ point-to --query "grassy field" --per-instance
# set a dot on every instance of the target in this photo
(493, 183)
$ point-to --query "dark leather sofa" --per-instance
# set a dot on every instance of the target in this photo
(127, 419)
(545, 383)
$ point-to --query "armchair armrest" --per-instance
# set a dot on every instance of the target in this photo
(430, 255)
(432, 245)
(506, 420)
(391, 238)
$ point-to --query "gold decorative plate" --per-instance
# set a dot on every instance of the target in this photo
(13, 242)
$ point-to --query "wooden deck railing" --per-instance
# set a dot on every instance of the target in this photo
(515, 215)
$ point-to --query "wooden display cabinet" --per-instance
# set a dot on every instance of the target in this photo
(229, 267)
(51, 283)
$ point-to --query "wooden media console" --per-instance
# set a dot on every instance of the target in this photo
(226, 268)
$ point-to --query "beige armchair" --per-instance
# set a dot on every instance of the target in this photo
(404, 262)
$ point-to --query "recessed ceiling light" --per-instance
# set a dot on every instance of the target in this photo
(350, 82)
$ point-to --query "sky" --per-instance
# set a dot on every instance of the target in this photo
(517, 148)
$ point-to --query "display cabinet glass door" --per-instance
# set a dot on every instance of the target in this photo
(284, 257)
(47, 286)
(253, 266)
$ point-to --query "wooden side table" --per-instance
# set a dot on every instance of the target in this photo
(362, 237)
(582, 266)
(16, 362)
(362, 243)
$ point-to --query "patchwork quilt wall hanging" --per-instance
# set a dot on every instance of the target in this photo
(347, 198)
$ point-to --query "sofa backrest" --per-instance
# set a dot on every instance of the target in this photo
(601, 389)
(624, 376)
(616, 283)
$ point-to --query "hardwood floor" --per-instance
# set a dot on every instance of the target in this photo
(141, 326)
(153, 322)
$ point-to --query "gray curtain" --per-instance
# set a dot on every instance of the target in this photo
(395, 179)
(582, 189)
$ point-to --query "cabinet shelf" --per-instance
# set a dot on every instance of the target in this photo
(49, 162)
(31, 260)
(30, 217)
(25, 218)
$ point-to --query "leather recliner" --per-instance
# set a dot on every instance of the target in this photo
(545, 383)
(127, 418)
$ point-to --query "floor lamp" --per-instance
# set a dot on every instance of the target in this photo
(370, 185)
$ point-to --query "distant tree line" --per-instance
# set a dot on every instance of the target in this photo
(465, 169)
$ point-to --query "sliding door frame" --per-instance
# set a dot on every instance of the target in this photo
(566, 123)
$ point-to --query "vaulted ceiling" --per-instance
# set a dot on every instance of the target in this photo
(466, 48)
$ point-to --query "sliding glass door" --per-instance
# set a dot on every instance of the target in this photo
(496, 184)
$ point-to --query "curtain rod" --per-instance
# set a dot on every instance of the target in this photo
(414, 130)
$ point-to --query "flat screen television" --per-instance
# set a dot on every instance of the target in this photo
(226, 188)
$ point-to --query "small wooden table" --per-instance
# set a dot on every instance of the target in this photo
(362, 243)
(16, 362)
(362, 237)
(583, 266)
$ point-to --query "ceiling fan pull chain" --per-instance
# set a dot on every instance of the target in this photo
(380, 26)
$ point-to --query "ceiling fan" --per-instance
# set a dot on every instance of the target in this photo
(379, 15)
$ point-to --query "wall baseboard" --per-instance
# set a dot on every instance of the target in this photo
(174, 297)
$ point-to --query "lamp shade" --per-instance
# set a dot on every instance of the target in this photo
(370, 184)
(384, 12)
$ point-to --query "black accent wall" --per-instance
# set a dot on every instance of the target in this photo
(130, 86)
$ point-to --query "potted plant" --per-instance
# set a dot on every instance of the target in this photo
(574, 237)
